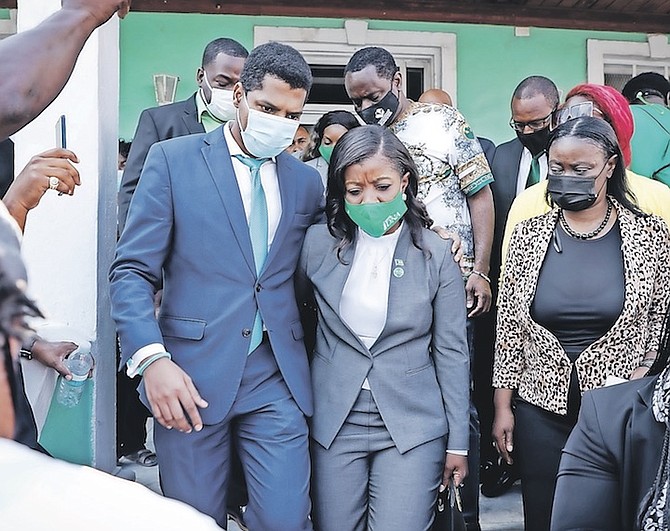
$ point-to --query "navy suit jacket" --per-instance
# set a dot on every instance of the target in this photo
(155, 124)
(610, 460)
(191, 235)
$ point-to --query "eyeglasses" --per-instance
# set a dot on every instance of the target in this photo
(586, 108)
(535, 125)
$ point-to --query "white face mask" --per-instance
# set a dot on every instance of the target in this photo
(266, 135)
(221, 105)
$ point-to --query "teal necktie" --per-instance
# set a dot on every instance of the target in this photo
(534, 173)
(258, 231)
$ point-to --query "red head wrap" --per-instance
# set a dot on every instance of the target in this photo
(615, 109)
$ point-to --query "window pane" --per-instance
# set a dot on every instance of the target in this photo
(328, 85)
(617, 81)
(414, 83)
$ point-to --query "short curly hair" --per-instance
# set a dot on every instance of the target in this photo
(277, 60)
(380, 58)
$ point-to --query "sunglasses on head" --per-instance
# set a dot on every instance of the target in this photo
(564, 114)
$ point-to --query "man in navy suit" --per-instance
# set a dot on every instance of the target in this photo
(209, 107)
(225, 361)
(204, 111)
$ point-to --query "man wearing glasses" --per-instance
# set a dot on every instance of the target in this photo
(516, 165)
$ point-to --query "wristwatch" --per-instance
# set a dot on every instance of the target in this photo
(26, 351)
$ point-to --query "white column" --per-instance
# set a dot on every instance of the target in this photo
(69, 241)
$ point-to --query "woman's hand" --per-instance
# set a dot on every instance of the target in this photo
(503, 424)
(456, 468)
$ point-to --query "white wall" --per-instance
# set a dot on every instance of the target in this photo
(69, 241)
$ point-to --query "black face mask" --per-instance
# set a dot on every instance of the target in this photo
(574, 193)
(535, 142)
(381, 112)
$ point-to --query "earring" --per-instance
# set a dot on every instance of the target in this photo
(404, 196)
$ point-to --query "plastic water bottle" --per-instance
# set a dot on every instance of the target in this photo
(80, 362)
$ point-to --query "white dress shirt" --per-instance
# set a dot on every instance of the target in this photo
(524, 169)
(364, 301)
(243, 175)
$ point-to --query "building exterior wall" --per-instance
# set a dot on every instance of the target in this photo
(491, 60)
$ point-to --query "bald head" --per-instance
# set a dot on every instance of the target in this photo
(436, 96)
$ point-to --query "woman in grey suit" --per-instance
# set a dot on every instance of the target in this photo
(390, 365)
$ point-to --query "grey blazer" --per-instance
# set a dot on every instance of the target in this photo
(418, 369)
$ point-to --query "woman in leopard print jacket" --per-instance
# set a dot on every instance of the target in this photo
(582, 300)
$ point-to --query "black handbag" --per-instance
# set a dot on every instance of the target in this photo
(449, 511)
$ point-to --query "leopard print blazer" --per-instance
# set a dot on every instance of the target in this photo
(528, 357)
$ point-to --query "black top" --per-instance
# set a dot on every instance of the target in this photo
(580, 290)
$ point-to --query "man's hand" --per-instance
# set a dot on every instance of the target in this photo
(173, 398)
(456, 469)
(52, 353)
(477, 295)
(100, 10)
(456, 246)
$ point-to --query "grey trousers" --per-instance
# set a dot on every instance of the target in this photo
(362, 482)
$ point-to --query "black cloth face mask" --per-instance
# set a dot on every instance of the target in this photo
(573, 193)
(535, 142)
(381, 112)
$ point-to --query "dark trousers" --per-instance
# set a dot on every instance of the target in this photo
(25, 430)
(131, 416)
(470, 490)
(539, 438)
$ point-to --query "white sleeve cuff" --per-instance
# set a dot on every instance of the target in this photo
(134, 363)
(464, 453)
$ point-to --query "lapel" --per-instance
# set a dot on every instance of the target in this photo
(400, 289)
(641, 446)
(287, 192)
(190, 117)
(334, 274)
(217, 157)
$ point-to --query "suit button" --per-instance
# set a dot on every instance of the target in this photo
(246, 332)
(258, 288)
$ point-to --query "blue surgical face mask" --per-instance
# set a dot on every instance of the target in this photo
(266, 135)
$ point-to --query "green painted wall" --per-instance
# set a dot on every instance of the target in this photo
(490, 59)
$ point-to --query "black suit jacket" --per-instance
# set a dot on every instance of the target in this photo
(505, 168)
(156, 124)
(610, 460)
(6, 165)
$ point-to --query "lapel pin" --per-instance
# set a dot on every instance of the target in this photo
(398, 272)
(398, 262)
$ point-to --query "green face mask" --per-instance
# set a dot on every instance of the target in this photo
(377, 218)
(326, 151)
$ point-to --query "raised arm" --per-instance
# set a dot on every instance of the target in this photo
(51, 47)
